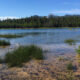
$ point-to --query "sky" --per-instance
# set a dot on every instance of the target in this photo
(25, 8)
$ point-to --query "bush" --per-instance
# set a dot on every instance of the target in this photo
(4, 43)
(23, 54)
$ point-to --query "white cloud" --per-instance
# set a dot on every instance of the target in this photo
(8, 17)
(72, 11)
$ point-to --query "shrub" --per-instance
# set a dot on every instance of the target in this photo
(23, 54)
(4, 43)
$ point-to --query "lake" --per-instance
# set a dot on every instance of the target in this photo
(49, 39)
(43, 36)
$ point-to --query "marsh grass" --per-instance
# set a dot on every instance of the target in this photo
(60, 58)
(70, 66)
(78, 54)
(23, 54)
(1, 60)
(4, 43)
(70, 42)
(10, 36)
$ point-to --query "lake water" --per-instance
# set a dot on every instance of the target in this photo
(49, 39)
(42, 36)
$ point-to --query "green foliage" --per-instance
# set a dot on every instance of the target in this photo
(70, 66)
(4, 43)
(35, 21)
(23, 54)
(70, 41)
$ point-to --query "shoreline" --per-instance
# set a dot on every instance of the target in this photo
(51, 68)
(51, 49)
(45, 28)
(38, 70)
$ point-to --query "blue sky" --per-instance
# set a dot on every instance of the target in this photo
(24, 8)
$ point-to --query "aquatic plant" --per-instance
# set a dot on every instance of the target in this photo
(10, 35)
(23, 54)
(4, 43)
(70, 41)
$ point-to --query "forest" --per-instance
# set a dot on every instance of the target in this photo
(36, 21)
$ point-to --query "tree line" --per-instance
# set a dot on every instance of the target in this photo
(35, 21)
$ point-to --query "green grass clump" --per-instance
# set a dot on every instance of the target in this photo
(70, 41)
(4, 43)
(70, 66)
(60, 58)
(78, 50)
(10, 36)
(23, 54)
(78, 54)
(1, 60)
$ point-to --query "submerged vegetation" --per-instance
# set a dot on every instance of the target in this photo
(4, 43)
(23, 54)
(50, 21)
(70, 41)
(10, 35)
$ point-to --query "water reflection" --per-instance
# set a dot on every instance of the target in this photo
(42, 36)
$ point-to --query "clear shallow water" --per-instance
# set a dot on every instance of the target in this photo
(42, 36)
(49, 39)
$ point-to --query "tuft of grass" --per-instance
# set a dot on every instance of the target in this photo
(23, 54)
(70, 41)
(60, 58)
(78, 50)
(78, 54)
(4, 43)
(1, 60)
(70, 66)
(10, 36)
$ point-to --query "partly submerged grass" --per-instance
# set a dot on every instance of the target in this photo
(10, 35)
(70, 41)
(23, 54)
(4, 43)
